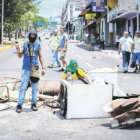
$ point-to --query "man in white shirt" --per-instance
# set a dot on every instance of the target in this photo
(125, 47)
(136, 51)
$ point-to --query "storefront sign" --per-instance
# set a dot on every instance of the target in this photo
(112, 15)
(98, 6)
(90, 16)
(80, 5)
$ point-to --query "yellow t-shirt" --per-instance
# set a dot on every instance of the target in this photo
(134, 40)
(75, 77)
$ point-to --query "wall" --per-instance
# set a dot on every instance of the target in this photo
(125, 5)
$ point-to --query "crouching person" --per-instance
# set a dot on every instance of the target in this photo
(31, 52)
(73, 72)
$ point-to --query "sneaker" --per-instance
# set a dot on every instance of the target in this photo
(136, 71)
(19, 109)
(33, 107)
(125, 71)
(50, 66)
(58, 66)
(61, 69)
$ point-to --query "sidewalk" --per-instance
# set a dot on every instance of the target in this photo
(9, 44)
(107, 50)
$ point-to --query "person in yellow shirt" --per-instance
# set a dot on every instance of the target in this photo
(73, 72)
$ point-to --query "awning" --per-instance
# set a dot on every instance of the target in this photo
(90, 25)
(130, 13)
(82, 14)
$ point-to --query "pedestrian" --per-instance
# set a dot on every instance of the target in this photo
(31, 52)
(129, 34)
(73, 72)
(136, 52)
(92, 42)
(86, 37)
(117, 40)
(102, 41)
(54, 42)
(125, 47)
(63, 48)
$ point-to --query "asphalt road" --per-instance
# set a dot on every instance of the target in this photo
(43, 124)
(10, 65)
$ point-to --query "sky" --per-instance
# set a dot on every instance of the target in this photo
(50, 8)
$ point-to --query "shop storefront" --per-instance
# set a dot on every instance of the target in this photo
(127, 22)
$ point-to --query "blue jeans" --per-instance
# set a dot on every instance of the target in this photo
(23, 87)
(126, 59)
(135, 57)
(55, 58)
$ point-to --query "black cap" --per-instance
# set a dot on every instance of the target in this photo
(32, 32)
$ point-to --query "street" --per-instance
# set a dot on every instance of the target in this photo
(88, 60)
(43, 124)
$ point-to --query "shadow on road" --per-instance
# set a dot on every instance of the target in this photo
(83, 47)
(135, 127)
(59, 115)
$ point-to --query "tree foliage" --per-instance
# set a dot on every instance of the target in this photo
(18, 13)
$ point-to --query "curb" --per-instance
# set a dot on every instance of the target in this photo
(5, 48)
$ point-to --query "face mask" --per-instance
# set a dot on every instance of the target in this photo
(32, 39)
(71, 69)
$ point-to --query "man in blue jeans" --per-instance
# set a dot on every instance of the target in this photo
(63, 48)
(126, 48)
(136, 52)
(36, 53)
(54, 42)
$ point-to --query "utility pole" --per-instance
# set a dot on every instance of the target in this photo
(138, 16)
(2, 18)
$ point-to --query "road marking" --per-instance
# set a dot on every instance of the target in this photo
(90, 65)
(79, 56)
(5, 48)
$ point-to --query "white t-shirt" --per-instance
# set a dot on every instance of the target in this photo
(102, 37)
(137, 45)
(117, 38)
(126, 43)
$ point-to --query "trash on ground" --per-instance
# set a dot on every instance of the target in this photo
(78, 100)
(124, 112)
(108, 74)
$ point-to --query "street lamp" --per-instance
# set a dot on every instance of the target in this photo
(2, 18)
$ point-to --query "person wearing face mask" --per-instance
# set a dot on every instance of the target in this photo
(73, 72)
(31, 51)
(125, 47)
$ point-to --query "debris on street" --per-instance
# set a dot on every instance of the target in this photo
(124, 112)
